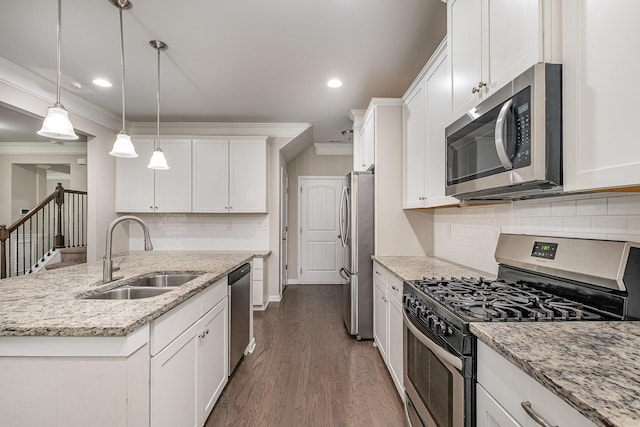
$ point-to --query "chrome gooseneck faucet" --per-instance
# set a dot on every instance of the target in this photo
(107, 262)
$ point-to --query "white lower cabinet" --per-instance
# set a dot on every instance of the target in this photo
(188, 374)
(380, 315)
(388, 322)
(502, 390)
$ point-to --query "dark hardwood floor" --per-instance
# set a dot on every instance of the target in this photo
(307, 371)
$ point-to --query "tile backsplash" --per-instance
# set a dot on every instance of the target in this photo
(469, 235)
(199, 232)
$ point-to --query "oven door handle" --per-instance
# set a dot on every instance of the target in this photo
(442, 354)
(501, 124)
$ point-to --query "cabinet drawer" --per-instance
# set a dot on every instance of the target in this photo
(213, 295)
(380, 273)
(394, 287)
(510, 386)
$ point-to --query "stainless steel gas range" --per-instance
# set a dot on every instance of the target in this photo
(540, 279)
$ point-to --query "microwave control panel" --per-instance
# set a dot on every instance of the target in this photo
(522, 124)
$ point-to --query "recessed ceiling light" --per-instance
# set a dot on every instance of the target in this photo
(334, 83)
(101, 82)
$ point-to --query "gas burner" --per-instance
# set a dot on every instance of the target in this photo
(502, 301)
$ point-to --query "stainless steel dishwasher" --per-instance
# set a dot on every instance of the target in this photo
(239, 306)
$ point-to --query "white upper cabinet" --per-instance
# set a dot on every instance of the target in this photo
(425, 115)
(248, 175)
(211, 175)
(414, 148)
(600, 94)
(230, 175)
(135, 188)
(367, 140)
(493, 41)
(140, 189)
(173, 186)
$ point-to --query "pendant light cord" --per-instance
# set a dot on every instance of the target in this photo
(122, 62)
(59, 34)
(158, 101)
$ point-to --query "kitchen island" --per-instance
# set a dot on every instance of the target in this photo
(70, 361)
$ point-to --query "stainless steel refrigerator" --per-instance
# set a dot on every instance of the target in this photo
(356, 236)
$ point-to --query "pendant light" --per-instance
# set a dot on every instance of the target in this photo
(57, 124)
(158, 160)
(123, 147)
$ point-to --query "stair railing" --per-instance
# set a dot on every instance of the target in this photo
(58, 221)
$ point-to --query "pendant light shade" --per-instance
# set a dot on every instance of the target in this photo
(123, 146)
(57, 124)
(158, 161)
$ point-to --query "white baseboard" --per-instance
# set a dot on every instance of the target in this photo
(275, 298)
(251, 346)
(293, 282)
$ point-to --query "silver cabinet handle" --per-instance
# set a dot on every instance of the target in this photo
(534, 415)
(481, 84)
(501, 123)
(394, 287)
(475, 90)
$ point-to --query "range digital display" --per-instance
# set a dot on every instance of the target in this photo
(544, 250)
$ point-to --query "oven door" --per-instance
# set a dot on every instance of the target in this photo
(433, 379)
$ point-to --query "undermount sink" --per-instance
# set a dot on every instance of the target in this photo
(126, 292)
(146, 286)
(163, 280)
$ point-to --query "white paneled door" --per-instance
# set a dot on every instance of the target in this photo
(320, 248)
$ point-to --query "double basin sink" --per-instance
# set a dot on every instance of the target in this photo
(145, 287)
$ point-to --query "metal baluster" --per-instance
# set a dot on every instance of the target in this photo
(43, 231)
(37, 252)
(30, 246)
(23, 260)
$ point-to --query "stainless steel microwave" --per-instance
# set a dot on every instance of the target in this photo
(510, 145)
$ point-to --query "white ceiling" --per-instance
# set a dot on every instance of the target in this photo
(231, 60)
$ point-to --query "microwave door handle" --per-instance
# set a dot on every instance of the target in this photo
(501, 124)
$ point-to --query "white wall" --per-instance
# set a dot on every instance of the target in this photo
(308, 163)
(24, 186)
(469, 235)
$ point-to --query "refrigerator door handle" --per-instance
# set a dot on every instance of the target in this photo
(347, 231)
(341, 216)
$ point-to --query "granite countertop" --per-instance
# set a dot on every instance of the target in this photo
(417, 267)
(49, 303)
(593, 366)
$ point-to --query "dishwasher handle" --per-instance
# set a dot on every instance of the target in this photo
(239, 273)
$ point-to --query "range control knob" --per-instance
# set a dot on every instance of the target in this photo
(445, 329)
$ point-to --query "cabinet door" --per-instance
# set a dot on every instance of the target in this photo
(380, 307)
(437, 117)
(210, 175)
(490, 413)
(248, 175)
(396, 349)
(464, 27)
(173, 186)
(414, 144)
(600, 93)
(362, 151)
(512, 40)
(214, 357)
(174, 383)
(369, 139)
(134, 181)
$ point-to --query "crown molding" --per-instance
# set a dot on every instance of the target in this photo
(199, 129)
(67, 147)
(37, 86)
(357, 117)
